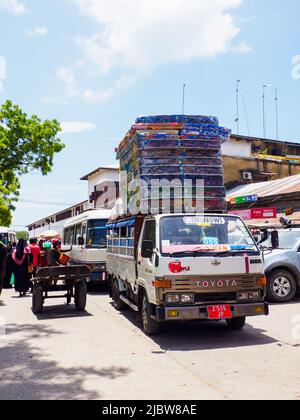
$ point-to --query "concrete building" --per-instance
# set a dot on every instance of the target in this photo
(251, 159)
(56, 221)
(100, 195)
(103, 187)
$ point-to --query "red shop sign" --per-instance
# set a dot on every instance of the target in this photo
(265, 213)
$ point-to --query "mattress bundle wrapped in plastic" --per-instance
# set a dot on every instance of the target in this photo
(175, 147)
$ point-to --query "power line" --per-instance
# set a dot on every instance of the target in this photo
(47, 203)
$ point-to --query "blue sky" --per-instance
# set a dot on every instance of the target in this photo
(97, 64)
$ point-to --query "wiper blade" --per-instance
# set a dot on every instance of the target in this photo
(194, 252)
(233, 252)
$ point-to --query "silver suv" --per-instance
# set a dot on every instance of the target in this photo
(283, 265)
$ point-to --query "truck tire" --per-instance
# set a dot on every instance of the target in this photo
(150, 326)
(236, 323)
(37, 299)
(119, 305)
(282, 286)
(80, 296)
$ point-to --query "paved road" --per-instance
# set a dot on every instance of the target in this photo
(102, 354)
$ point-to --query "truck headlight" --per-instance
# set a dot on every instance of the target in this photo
(243, 296)
(172, 298)
(254, 295)
(187, 298)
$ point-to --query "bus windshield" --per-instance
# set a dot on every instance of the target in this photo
(96, 234)
(204, 234)
(4, 238)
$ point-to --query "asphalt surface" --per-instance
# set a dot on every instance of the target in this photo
(102, 354)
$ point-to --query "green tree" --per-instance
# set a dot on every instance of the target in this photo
(26, 144)
(23, 234)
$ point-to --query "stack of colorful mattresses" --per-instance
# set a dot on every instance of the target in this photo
(177, 147)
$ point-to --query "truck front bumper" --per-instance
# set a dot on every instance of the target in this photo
(98, 277)
(194, 313)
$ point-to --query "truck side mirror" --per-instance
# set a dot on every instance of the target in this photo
(147, 249)
(80, 241)
(275, 239)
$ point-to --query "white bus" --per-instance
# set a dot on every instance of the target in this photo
(7, 235)
(85, 238)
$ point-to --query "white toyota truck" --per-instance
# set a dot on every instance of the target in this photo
(185, 267)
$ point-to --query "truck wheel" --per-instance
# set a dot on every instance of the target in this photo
(282, 286)
(150, 326)
(80, 296)
(119, 305)
(37, 299)
(236, 323)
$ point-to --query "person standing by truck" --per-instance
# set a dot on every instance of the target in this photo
(21, 267)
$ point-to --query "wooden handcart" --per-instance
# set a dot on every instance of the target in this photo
(69, 279)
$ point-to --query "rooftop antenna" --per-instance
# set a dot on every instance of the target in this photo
(183, 99)
(264, 110)
(277, 117)
(237, 106)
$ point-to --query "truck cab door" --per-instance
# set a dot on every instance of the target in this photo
(146, 266)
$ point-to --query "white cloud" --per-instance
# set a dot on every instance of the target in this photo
(70, 83)
(93, 96)
(142, 35)
(76, 127)
(13, 6)
(241, 48)
(296, 67)
(37, 31)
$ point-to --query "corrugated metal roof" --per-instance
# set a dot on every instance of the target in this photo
(268, 188)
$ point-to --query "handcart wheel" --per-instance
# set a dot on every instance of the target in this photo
(80, 295)
(37, 299)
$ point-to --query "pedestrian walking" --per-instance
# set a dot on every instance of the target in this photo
(22, 267)
(8, 276)
(36, 255)
(3, 258)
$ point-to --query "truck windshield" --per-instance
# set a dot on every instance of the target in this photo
(204, 234)
(96, 234)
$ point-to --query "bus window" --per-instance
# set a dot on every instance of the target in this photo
(72, 234)
(84, 232)
(77, 235)
(67, 236)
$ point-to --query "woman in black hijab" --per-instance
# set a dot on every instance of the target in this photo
(21, 262)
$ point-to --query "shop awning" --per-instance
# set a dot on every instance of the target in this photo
(121, 224)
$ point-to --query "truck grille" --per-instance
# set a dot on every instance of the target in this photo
(215, 297)
(228, 284)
